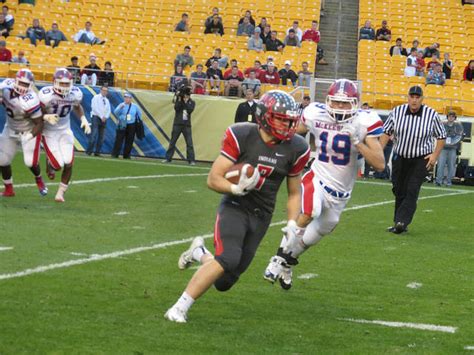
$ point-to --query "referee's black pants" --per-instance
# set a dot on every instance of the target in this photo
(408, 174)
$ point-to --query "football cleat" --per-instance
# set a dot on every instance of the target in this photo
(274, 269)
(8, 192)
(186, 259)
(174, 314)
(286, 277)
(42, 188)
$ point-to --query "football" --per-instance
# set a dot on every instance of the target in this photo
(233, 174)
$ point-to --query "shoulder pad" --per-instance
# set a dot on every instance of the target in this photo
(30, 103)
(77, 94)
(45, 94)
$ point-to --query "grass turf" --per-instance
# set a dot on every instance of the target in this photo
(117, 305)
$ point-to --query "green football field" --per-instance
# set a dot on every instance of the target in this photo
(96, 274)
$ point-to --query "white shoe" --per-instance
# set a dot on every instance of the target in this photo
(286, 277)
(274, 269)
(186, 258)
(59, 197)
(174, 314)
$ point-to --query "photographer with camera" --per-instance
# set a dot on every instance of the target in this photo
(183, 107)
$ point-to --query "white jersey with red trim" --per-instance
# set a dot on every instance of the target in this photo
(20, 109)
(336, 158)
(61, 105)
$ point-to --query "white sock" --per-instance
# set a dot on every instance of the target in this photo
(199, 252)
(8, 181)
(62, 188)
(185, 302)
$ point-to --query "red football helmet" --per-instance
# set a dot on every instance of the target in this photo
(24, 81)
(62, 82)
(277, 114)
(342, 90)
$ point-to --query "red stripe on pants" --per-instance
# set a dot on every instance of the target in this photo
(217, 238)
(51, 158)
(36, 153)
(308, 192)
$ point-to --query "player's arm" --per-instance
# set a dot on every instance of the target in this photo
(293, 206)
(384, 138)
(302, 129)
(372, 151)
(38, 125)
(79, 111)
(216, 180)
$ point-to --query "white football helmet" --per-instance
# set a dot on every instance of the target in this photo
(24, 81)
(62, 82)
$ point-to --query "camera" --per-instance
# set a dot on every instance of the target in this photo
(183, 90)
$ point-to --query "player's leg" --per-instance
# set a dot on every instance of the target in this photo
(31, 155)
(53, 155)
(229, 235)
(7, 153)
(66, 148)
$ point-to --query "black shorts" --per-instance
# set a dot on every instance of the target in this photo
(237, 234)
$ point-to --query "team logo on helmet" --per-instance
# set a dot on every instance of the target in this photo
(23, 82)
(276, 113)
(62, 82)
(345, 91)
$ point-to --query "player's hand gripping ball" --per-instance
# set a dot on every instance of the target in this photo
(244, 177)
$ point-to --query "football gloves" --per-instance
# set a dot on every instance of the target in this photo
(51, 118)
(353, 132)
(85, 125)
(246, 184)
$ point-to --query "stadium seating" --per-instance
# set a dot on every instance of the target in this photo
(141, 43)
(444, 21)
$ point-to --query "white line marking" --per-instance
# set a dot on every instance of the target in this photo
(423, 187)
(469, 347)
(132, 187)
(190, 191)
(138, 227)
(307, 276)
(117, 254)
(427, 211)
(421, 326)
(414, 285)
(5, 248)
(79, 254)
(121, 213)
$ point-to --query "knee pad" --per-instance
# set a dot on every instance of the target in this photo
(225, 282)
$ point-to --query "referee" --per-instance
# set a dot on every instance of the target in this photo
(414, 128)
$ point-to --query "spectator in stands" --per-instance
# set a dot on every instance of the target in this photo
(87, 36)
(214, 74)
(198, 81)
(246, 110)
(313, 35)
(4, 27)
(222, 60)
(263, 23)
(431, 51)
(367, 32)
(184, 59)
(398, 49)
(215, 11)
(410, 69)
(436, 76)
(248, 15)
(266, 34)
(274, 44)
(288, 74)
(414, 45)
(20, 58)
(270, 76)
(35, 32)
(468, 71)
(252, 83)
(233, 63)
(183, 25)
(75, 70)
(10, 21)
(178, 79)
(304, 75)
(233, 83)
(296, 29)
(270, 59)
(420, 64)
(447, 66)
(383, 33)
(257, 68)
(90, 72)
(255, 43)
(5, 53)
(215, 26)
(54, 35)
(291, 39)
(107, 76)
(245, 28)
(305, 103)
(434, 61)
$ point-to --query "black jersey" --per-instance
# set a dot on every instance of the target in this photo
(242, 143)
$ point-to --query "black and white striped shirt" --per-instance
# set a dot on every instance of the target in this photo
(414, 133)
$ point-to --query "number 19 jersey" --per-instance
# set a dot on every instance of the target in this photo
(335, 164)
(59, 105)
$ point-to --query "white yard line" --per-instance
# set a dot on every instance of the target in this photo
(424, 187)
(116, 254)
(5, 248)
(421, 326)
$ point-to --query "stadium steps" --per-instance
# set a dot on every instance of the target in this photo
(339, 41)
